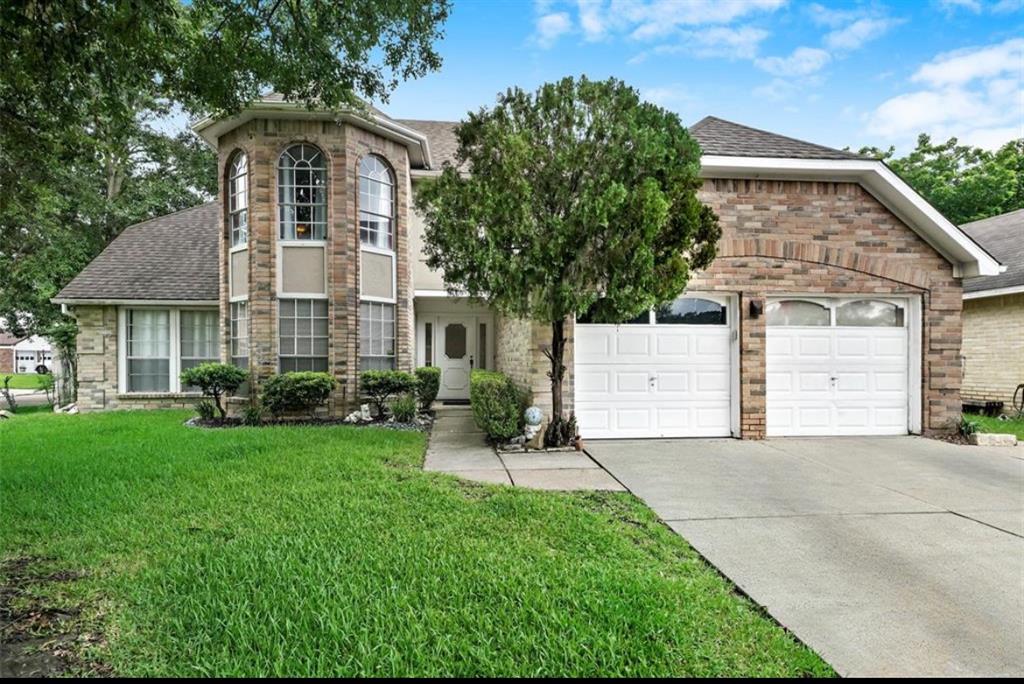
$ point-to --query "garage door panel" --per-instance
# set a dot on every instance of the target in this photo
(837, 380)
(653, 381)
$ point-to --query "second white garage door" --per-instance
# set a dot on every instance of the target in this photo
(837, 367)
(668, 374)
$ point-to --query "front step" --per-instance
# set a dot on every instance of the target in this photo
(457, 411)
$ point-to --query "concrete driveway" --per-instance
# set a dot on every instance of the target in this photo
(888, 556)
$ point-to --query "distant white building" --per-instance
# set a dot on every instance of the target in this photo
(24, 354)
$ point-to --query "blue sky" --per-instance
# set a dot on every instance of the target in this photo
(837, 73)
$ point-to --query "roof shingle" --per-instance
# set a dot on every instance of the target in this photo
(1003, 237)
(173, 257)
(720, 137)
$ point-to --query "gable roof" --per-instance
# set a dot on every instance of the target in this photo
(441, 134)
(1003, 237)
(8, 339)
(728, 139)
(169, 258)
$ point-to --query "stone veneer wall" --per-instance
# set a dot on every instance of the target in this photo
(7, 360)
(790, 237)
(343, 145)
(97, 367)
(518, 354)
(993, 348)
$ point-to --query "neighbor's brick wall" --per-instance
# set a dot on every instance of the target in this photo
(97, 366)
(7, 360)
(343, 145)
(993, 348)
(791, 237)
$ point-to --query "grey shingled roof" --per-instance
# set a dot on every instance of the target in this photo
(172, 257)
(720, 137)
(716, 136)
(1003, 237)
(440, 137)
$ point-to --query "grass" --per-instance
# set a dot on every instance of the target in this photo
(1014, 426)
(319, 551)
(26, 381)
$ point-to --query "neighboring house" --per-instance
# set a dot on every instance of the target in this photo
(994, 314)
(833, 306)
(24, 355)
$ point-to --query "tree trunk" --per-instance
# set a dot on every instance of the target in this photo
(557, 372)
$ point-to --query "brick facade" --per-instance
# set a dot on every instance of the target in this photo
(993, 348)
(518, 354)
(7, 360)
(793, 237)
(343, 145)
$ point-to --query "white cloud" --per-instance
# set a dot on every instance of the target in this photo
(861, 31)
(777, 90)
(802, 62)
(716, 41)
(592, 19)
(963, 66)
(1007, 6)
(551, 27)
(975, 94)
(667, 96)
(953, 5)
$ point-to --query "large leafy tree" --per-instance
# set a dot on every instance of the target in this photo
(572, 198)
(965, 183)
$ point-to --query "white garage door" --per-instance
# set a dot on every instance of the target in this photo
(837, 367)
(668, 374)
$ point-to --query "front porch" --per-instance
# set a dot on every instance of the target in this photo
(457, 336)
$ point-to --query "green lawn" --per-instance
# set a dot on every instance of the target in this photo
(327, 551)
(24, 380)
(987, 424)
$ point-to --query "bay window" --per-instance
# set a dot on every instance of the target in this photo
(302, 327)
(302, 193)
(376, 203)
(240, 334)
(376, 336)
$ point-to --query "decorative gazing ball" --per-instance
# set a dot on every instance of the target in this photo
(533, 415)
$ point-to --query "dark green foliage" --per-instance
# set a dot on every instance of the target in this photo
(206, 410)
(380, 385)
(252, 415)
(304, 391)
(965, 183)
(578, 195)
(403, 408)
(428, 383)
(215, 380)
(497, 404)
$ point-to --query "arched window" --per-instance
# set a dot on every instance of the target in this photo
(238, 199)
(302, 193)
(871, 313)
(797, 312)
(376, 203)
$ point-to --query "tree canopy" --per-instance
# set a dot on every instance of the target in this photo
(572, 198)
(964, 183)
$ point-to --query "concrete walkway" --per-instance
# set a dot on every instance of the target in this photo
(888, 556)
(458, 447)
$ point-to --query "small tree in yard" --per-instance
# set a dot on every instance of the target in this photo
(576, 197)
(215, 380)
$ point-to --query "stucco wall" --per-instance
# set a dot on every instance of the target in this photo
(993, 348)
(423, 278)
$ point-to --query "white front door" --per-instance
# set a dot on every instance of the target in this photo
(456, 350)
(837, 367)
(665, 375)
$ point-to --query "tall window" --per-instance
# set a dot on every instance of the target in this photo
(302, 193)
(240, 334)
(148, 350)
(376, 203)
(199, 340)
(238, 200)
(303, 335)
(376, 336)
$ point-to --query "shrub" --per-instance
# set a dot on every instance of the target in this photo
(968, 426)
(497, 403)
(206, 410)
(252, 415)
(302, 391)
(403, 408)
(428, 382)
(215, 380)
(381, 385)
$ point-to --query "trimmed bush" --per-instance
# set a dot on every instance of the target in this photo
(428, 379)
(381, 385)
(206, 410)
(403, 408)
(252, 415)
(497, 404)
(215, 380)
(302, 391)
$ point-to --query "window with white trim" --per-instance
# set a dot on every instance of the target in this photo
(376, 336)
(302, 193)
(240, 334)
(302, 328)
(238, 200)
(148, 350)
(376, 203)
